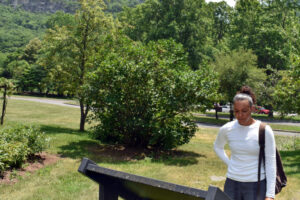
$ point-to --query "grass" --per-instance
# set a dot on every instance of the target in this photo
(193, 164)
(41, 114)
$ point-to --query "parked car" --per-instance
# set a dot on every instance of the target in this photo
(225, 108)
(261, 110)
(264, 111)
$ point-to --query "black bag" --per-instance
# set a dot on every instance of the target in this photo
(281, 179)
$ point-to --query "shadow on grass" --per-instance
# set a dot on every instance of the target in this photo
(120, 154)
(51, 130)
(178, 158)
(98, 152)
(291, 160)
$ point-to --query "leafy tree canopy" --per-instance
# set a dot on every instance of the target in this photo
(270, 28)
(69, 51)
(116, 6)
(236, 69)
(184, 21)
(287, 91)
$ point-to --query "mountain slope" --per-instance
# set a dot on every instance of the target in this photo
(17, 27)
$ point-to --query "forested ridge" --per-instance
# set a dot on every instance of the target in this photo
(17, 27)
(211, 49)
(45, 6)
(68, 6)
(25, 20)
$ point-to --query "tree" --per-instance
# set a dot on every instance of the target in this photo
(244, 23)
(2, 59)
(287, 91)
(31, 51)
(21, 66)
(184, 21)
(220, 14)
(276, 38)
(7, 71)
(18, 70)
(281, 12)
(142, 95)
(266, 89)
(236, 69)
(31, 75)
(60, 19)
(266, 27)
(69, 51)
(116, 6)
(6, 87)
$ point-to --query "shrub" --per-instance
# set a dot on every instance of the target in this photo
(19, 142)
(142, 95)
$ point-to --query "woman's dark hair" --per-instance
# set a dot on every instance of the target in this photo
(248, 90)
(245, 93)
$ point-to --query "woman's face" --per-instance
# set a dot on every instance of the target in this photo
(242, 112)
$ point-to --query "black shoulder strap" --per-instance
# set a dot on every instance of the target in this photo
(261, 136)
(261, 141)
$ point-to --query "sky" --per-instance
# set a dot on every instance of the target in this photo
(229, 2)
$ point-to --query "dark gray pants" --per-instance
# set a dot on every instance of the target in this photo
(244, 190)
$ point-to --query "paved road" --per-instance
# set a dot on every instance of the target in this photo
(276, 132)
(265, 120)
(59, 102)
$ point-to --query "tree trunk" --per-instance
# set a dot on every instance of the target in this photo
(271, 115)
(231, 112)
(217, 117)
(82, 122)
(4, 105)
(84, 109)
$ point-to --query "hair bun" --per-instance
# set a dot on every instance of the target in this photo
(247, 90)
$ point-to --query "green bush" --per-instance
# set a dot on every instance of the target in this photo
(13, 154)
(19, 142)
(142, 95)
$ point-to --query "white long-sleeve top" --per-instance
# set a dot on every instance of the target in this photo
(243, 162)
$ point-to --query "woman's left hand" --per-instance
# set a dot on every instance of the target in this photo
(269, 198)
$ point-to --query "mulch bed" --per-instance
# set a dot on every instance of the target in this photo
(32, 164)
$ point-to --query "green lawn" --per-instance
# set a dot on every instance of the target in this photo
(194, 164)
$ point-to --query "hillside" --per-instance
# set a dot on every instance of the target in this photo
(115, 6)
(43, 5)
(23, 20)
(17, 27)
(68, 6)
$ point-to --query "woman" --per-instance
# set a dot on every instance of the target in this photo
(242, 137)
